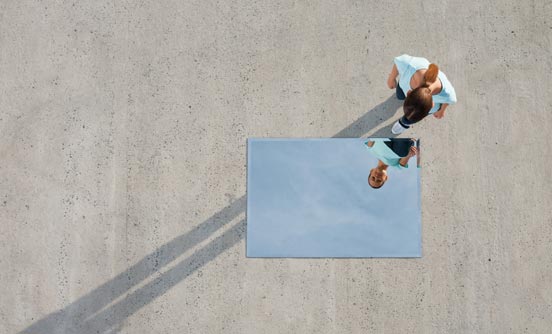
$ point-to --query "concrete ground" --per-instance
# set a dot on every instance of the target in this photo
(122, 164)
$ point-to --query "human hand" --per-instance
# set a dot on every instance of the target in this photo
(391, 83)
(439, 113)
(412, 152)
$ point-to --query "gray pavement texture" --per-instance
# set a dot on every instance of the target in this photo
(123, 148)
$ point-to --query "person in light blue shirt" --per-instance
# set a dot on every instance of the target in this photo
(389, 152)
(417, 73)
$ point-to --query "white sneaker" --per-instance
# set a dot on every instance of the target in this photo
(397, 128)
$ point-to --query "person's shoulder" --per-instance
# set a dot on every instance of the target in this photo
(419, 62)
(402, 61)
(447, 90)
(407, 61)
(404, 58)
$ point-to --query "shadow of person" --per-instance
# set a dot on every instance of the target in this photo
(104, 309)
(87, 314)
(384, 132)
(377, 115)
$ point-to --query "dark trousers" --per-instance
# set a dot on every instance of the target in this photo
(405, 123)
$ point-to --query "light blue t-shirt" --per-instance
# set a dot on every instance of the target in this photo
(384, 153)
(408, 65)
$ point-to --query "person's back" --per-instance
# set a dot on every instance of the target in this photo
(415, 74)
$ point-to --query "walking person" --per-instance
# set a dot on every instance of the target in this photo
(425, 89)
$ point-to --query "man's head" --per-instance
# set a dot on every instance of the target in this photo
(377, 177)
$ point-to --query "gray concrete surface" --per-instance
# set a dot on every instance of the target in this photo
(122, 164)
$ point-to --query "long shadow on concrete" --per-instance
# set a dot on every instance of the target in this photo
(104, 309)
(377, 115)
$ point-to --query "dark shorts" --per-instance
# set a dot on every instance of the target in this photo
(400, 93)
(400, 146)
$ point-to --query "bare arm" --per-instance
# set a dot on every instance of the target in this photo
(370, 143)
(441, 112)
(391, 83)
(404, 161)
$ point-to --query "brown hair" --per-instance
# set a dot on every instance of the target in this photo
(431, 74)
(418, 104)
(370, 174)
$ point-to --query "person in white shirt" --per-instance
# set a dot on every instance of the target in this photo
(389, 152)
(418, 77)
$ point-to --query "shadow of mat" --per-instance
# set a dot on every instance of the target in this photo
(104, 309)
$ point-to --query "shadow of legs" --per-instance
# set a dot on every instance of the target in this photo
(95, 313)
(111, 316)
(77, 312)
(377, 115)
